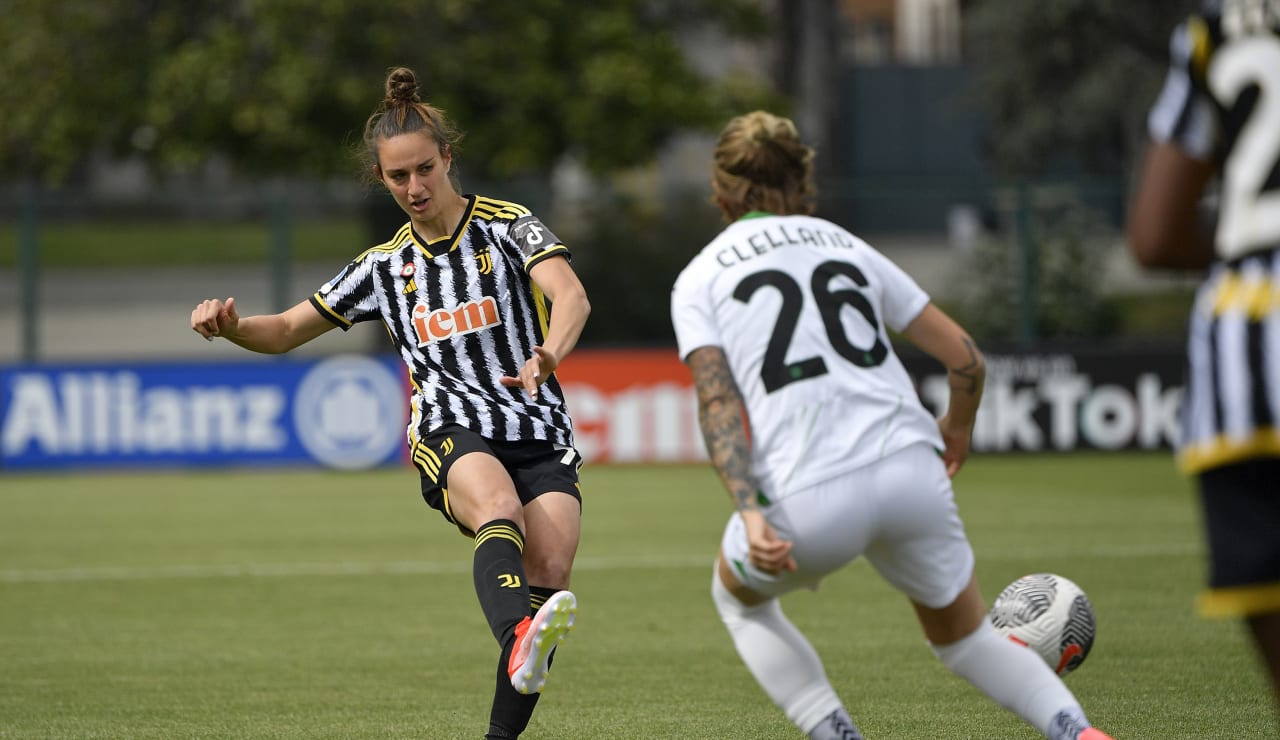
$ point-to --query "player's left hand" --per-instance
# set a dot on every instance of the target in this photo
(956, 442)
(765, 549)
(533, 373)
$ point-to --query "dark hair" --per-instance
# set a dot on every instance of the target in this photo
(760, 164)
(403, 112)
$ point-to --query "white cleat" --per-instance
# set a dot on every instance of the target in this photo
(536, 638)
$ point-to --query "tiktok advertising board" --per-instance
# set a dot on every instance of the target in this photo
(639, 406)
(629, 406)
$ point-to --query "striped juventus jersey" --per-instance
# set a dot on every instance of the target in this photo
(800, 307)
(1221, 103)
(462, 312)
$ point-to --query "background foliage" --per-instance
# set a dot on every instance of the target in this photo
(1067, 84)
(1061, 249)
(278, 90)
(278, 85)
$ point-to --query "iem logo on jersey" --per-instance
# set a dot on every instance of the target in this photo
(465, 318)
(349, 412)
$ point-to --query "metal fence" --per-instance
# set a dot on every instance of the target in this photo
(113, 276)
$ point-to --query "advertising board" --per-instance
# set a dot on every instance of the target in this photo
(629, 406)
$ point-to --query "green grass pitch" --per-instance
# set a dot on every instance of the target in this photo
(287, 604)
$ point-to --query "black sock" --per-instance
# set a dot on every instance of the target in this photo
(511, 709)
(499, 577)
(538, 596)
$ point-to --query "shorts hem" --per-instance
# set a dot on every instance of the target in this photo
(1239, 601)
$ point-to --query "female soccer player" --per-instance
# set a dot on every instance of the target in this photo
(1219, 114)
(462, 289)
(783, 320)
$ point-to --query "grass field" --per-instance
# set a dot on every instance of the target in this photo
(327, 605)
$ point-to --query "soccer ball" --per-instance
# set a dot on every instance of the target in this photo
(1049, 614)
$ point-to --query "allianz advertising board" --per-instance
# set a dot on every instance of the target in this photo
(344, 412)
(628, 405)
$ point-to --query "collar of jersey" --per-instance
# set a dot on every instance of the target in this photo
(755, 214)
(437, 247)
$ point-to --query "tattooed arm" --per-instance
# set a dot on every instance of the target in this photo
(724, 429)
(936, 333)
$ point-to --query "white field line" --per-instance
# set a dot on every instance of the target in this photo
(424, 567)
(269, 570)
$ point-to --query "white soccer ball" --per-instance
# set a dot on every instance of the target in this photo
(1049, 614)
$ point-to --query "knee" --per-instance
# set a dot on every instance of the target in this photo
(727, 606)
(548, 570)
(549, 576)
(483, 510)
(732, 608)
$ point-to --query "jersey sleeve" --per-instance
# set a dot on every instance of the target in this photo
(535, 242)
(693, 313)
(1183, 113)
(902, 299)
(351, 296)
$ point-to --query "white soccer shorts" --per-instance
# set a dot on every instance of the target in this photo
(899, 512)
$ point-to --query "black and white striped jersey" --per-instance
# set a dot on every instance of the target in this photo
(462, 312)
(1221, 103)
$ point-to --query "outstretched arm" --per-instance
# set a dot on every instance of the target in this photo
(722, 418)
(268, 333)
(937, 334)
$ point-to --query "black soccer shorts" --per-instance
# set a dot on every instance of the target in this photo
(1241, 504)
(535, 466)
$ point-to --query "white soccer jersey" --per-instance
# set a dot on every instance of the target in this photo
(800, 307)
(462, 312)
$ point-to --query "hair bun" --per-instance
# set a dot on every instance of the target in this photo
(761, 164)
(402, 87)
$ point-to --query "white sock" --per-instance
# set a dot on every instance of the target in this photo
(783, 662)
(836, 726)
(1017, 679)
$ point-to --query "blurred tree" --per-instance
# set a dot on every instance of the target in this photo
(633, 249)
(280, 86)
(1068, 251)
(1068, 80)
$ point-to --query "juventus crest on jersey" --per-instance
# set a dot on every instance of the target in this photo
(1221, 102)
(462, 312)
(800, 307)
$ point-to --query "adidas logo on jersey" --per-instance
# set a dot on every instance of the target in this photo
(466, 318)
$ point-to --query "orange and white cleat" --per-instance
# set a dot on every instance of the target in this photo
(1094, 733)
(536, 638)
